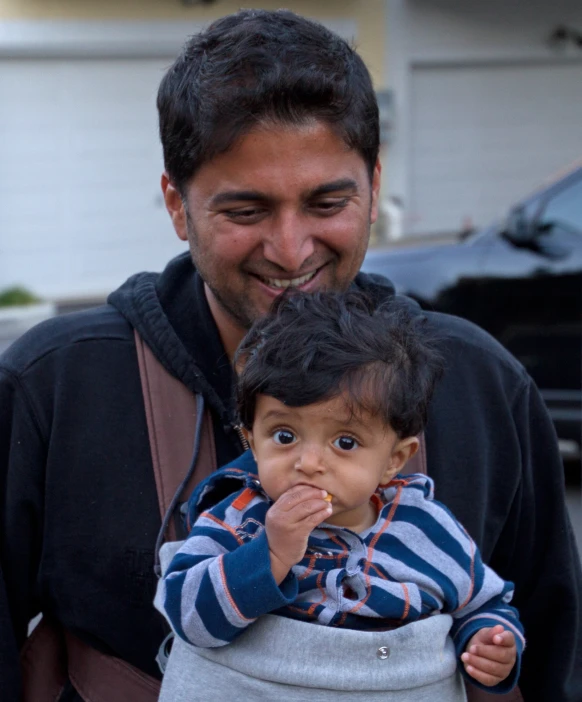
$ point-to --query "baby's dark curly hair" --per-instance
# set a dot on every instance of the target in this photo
(383, 358)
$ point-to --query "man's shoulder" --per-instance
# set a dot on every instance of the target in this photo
(98, 324)
(464, 337)
(460, 337)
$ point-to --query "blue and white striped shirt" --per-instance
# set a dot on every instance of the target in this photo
(415, 560)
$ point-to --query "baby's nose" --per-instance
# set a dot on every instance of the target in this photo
(310, 461)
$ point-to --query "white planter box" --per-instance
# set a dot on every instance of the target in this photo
(17, 319)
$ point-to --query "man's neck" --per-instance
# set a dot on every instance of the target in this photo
(231, 333)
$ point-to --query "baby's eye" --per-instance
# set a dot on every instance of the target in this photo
(284, 437)
(345, 443)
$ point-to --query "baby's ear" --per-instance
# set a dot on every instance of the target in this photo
(403, 451)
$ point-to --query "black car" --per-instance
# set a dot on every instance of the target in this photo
(521, 280)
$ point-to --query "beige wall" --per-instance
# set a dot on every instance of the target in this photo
(369, 15)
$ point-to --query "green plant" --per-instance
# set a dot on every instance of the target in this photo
(17, 295)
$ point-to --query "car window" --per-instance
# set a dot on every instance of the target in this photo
(563, 211)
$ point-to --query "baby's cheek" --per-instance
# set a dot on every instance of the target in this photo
(272, 486)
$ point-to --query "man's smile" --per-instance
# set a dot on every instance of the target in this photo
(275, 285)
(288, 282)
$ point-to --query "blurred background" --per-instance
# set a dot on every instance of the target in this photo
(481, 208)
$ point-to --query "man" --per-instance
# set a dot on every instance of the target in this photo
(269, 126)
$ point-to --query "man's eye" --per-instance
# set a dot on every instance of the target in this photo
(346, 443)
(284, 437)
(250, 215)
(330, 205)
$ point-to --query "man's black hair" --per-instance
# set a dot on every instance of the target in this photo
(313, 347)
(262, 67)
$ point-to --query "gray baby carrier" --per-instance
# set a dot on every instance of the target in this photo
(282, 658)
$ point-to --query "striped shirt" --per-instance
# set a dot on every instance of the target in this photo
(415, 560)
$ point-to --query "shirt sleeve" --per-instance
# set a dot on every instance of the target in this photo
(217, 584)
(474, 594)
(487, 605)
(21, 518)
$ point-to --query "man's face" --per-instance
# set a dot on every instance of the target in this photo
(284, 206)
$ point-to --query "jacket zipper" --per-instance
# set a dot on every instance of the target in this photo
(241, 436)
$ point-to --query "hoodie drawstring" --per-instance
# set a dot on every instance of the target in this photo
(182, 486)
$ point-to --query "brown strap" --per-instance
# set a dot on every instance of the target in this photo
(101, 678)
(171, 418)
(43, 663)
(475, 694)
(50, 656)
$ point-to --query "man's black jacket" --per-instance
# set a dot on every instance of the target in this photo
(79, 512)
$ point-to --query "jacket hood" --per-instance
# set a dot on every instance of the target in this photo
(423, 483)
(138, 300)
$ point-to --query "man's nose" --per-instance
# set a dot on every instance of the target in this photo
(290, 243)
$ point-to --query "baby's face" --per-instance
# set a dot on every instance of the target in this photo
(325, 446)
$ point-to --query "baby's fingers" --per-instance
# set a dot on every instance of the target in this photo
(482, 676)
(505, 638)
(497, 654)
(486, 671)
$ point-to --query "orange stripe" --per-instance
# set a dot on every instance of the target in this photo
(368, 593)
(228, 595)
(389, 518)
(244, 498)
(292, 608)
(223, 525)
(393, 482)
(406, 601)
(309, 568)
(313, 607)
(344, 548)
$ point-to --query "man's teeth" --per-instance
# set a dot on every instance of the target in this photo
(294, 282)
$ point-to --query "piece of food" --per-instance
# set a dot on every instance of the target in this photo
(328, 497)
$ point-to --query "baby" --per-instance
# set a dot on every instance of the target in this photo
(317, 523)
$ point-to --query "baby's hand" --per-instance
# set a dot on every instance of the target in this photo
(490, 655)
(288, 524)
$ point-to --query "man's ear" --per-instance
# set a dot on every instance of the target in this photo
(376, 177)
(175, 207)
(403, 451)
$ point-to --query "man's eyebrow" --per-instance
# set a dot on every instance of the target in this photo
(237, 196)
(334, 186)
(230, 196)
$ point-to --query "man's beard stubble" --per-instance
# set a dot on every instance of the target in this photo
(236, 311)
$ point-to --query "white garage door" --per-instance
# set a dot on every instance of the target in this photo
(80, 165)
(484, 136)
